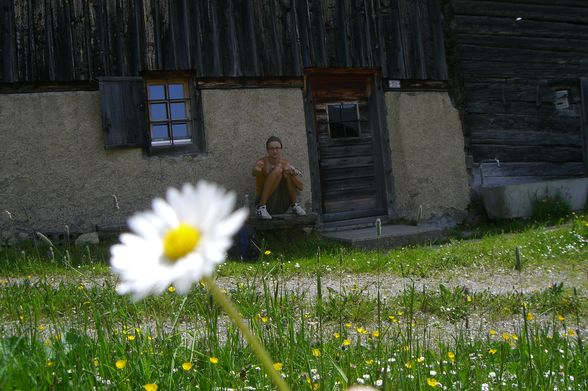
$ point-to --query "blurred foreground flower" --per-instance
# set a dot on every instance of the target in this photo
(180, 241)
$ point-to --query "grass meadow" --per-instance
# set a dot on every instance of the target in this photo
(324, 313)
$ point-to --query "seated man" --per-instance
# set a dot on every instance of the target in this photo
(277, 182)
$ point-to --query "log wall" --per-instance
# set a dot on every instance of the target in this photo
(76, 40)
(513, 61)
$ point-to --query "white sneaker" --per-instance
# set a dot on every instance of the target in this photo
(296, 208)
(262, 213)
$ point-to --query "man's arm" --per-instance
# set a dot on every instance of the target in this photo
(258, 168)
(294, 174)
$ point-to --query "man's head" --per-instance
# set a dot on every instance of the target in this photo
(273, 139)
(273, 145)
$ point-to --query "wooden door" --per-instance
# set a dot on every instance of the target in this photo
(347, 136)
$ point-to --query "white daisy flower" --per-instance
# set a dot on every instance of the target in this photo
(180, 241)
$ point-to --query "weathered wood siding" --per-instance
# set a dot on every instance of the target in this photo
(510, 57)
(82, 40)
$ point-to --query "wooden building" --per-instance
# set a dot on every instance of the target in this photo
(521, 69)
(374, 96)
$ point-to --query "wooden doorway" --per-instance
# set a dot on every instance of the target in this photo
(346, 134)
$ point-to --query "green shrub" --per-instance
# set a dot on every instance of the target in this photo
(550, 209)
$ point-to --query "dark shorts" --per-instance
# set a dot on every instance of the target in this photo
(279, 201)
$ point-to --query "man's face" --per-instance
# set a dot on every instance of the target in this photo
(274, 150)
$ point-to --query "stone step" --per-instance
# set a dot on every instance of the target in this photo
(392, 236)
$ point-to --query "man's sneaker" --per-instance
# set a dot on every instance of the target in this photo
(262, 213)
(296, 208)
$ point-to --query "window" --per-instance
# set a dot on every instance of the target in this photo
(343, 120)
(162, 115)
(169, 113)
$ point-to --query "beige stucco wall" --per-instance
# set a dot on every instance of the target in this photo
(54, 170)
(428, 159)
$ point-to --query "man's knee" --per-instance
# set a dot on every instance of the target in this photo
(277, 171)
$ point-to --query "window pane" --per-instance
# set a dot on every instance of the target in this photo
(334, 113)
(178, 110)
(159, 132)
(176, 91)
(158, 111)
(156, 92)
(348, 112)
(180, 131)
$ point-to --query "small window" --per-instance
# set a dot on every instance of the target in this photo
(161, 114)
(170, 120)
(343, 120)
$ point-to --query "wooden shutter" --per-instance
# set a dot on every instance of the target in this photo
(124, 119)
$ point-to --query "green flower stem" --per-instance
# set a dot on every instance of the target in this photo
(253, 341)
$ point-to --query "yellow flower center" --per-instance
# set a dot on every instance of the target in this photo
(180, 241)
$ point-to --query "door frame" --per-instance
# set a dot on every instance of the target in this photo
(380, 137)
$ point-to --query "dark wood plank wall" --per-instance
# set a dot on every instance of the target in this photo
(47, 41)
(508, 72)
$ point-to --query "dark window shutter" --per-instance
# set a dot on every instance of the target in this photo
(197, 123)
(124, 119)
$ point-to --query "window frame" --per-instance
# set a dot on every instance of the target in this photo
(193, 119)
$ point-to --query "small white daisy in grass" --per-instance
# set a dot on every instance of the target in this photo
(180, 241)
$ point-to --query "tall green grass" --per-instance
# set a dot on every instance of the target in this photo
(63, 326)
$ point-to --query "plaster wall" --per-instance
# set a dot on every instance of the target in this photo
(54, 170)
(428, 159)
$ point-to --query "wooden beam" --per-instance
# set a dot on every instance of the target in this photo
(584, 118)
(250, 82)
(283, 222)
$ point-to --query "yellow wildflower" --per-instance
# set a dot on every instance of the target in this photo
(214, 360)
(131, 337)
(506, 336)
(150, 387)
(432, 382)
(171, 289)
(316, 352)
(560, 317)
(337, 335)
(267, 252)
(278, 366)
(187, 366)
(346, 342)
(451, 356)
(530, 316)
(376, 333)
(571, 333)
(492, 332)
(120, 364)
(492, 351)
